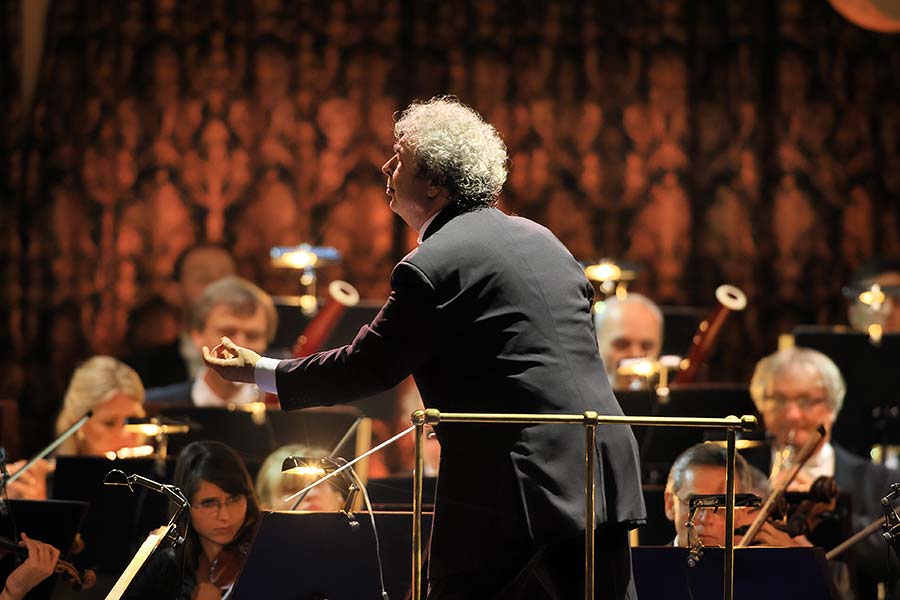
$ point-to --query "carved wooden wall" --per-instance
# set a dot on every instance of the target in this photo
(756, 143)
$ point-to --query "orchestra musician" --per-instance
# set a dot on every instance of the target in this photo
(223, 509)
(491, 313)
(179, 359)
(886, 274)
(273, 485)
(796, 390)
(114, 392)
(236, 308)
(631, 327)
(701, 470)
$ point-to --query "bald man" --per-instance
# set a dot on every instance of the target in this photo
(628, 328)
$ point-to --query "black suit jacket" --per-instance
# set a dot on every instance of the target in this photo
(490, 314)
(867, 483)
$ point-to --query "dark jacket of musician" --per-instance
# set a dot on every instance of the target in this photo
(490, 313)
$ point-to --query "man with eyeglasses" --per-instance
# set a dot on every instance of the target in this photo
(795, 391)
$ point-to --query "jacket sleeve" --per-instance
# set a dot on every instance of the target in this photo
(401, 337)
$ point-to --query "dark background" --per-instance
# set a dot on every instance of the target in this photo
(753, 142)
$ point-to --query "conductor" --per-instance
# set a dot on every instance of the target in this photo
(491, 313)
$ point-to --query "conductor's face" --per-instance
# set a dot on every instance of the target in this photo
(412, 197)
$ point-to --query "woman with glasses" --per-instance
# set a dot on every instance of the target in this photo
(223, 510)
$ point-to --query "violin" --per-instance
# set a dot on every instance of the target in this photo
(84, 580)
(813, 514)
(224, 569)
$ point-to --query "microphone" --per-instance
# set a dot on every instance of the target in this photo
(894, 493)
(173, 493)
(117, 477)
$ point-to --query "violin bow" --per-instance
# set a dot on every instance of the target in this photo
(778, 490)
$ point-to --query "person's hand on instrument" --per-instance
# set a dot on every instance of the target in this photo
(231, 361)
(32, 484)
(37, 567)
(769, 535)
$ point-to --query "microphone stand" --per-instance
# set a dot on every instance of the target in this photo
(889, 524)
(334, 450)
(171, 492)
(50, 448)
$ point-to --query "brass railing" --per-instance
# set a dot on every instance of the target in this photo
(589, 420)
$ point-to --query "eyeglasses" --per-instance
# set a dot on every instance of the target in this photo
(214, 505)
(802, 402)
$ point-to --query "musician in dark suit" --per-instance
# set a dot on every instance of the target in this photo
(796, 390)
(234, 307)
(490, 313)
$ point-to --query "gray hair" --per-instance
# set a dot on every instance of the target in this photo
(455, 149)
(771, 367)
(93, 383)
(613, 306)
(707, 455)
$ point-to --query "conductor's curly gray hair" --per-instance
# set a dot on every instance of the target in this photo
(455, 149)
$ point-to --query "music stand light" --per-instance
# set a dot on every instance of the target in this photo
(318, 468)
(159, 429)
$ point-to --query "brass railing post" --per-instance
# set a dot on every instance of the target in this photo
(729, 514)
(590, 435)
(418, 419)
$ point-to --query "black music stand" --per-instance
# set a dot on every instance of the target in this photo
(395, 493)
(118, 520)
(659, 448)
(54, 522)
(311, 556)
(253, 439)
(770, 573)
(871, 411)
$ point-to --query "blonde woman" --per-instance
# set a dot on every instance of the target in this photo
(113, 392)
(272, 486)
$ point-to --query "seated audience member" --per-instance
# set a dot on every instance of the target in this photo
(796, 390)
(231, 307)
(113, 392)
(628, 328)
(887, 275)
(175, 359)
(273, 486)
(223, 510)
(39, 565)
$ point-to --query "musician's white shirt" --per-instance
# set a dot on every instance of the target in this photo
(203, 395)
(819, 464)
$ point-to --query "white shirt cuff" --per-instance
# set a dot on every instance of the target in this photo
(264, 373)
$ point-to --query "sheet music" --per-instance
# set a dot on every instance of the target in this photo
(140, 557)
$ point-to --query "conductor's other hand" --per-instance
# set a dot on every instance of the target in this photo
(231, 361)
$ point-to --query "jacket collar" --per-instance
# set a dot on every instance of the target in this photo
(443, 217)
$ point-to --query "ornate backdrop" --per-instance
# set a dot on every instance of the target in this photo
(751, 142)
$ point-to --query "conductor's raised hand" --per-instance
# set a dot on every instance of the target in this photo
(232, 362)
